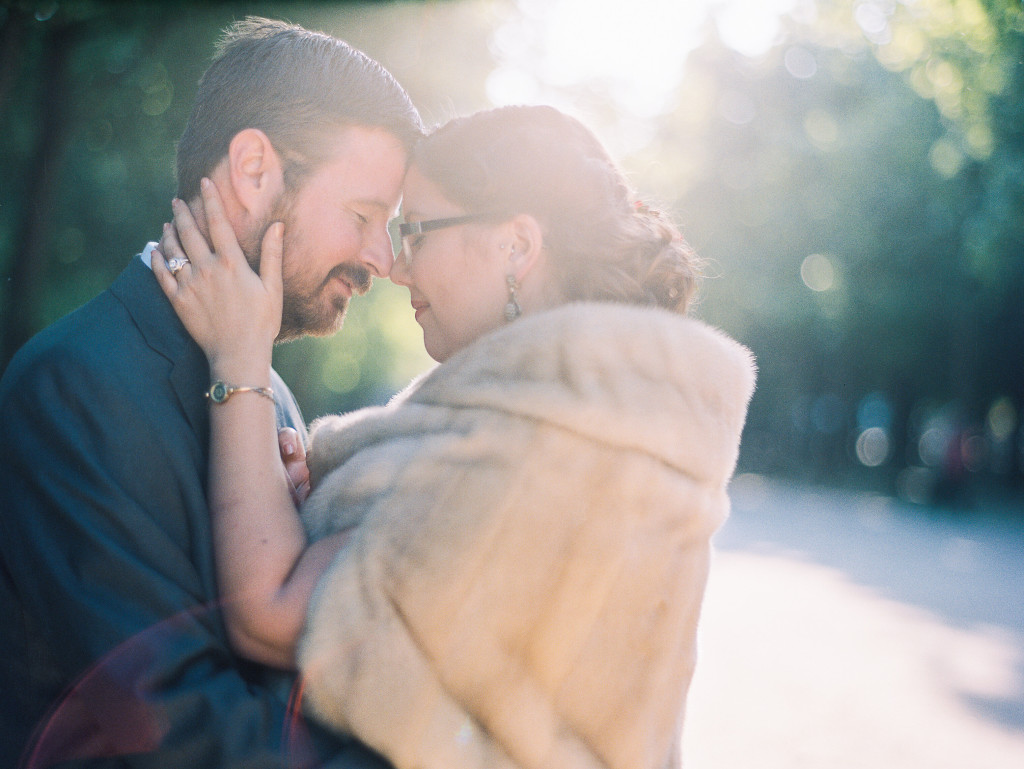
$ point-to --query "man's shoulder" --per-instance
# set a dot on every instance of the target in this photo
(65, 342)
(99, 334)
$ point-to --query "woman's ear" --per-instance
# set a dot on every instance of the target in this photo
(527, 245)
(255, 172)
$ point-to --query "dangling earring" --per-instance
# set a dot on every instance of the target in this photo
(512, 309)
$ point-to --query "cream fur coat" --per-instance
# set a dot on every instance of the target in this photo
(533, 519)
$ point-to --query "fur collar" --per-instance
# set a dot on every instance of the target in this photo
(635, 377)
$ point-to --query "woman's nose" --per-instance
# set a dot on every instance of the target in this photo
(400, 271)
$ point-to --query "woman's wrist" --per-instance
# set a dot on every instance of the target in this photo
(241, 371)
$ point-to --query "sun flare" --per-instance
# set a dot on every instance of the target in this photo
(630, 53)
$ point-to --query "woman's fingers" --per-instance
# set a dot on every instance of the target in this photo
(231, 313)
(162, 273)
(291, 445)
(222, 234)
(293, 454)
(191, 239)
(169, 247)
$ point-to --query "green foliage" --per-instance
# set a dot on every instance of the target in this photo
(857, 192)
(866, 221)
(830, 235)
(379, 350)
(124, 75)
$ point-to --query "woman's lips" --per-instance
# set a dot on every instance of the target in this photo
(419, 307)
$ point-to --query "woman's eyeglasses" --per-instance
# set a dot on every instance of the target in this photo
(411, 233)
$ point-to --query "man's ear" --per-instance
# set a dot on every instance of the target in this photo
(528, 244)
(255, 171)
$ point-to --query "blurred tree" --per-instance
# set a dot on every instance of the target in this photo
(859, 200)
(93, 96)
(858, 191)
(817, 208)
(91, 120)
(994, 237)
(967, 57)
(47, 106)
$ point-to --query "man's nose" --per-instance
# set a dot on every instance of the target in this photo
(378, 254)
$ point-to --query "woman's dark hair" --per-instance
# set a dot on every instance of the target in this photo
(295, 85)
(605, 246)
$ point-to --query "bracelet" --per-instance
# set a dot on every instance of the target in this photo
(219, 392)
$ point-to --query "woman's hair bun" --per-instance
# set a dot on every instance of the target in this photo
(537, 160)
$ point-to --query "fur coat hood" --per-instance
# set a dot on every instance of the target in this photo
(531, 528)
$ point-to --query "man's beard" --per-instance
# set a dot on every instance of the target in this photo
(304, 310)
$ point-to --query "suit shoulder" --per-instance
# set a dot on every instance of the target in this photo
(89, 337)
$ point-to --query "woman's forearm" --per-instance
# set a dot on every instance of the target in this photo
(265, 569)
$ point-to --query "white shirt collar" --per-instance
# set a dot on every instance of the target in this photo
(147, 254)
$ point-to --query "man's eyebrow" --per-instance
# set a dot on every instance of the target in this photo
(378, 204)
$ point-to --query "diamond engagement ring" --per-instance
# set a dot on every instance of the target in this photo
(175, 264)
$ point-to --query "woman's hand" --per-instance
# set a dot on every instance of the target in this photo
(233, 314)
(293, 454)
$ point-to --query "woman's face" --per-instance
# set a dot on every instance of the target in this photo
(456, 278)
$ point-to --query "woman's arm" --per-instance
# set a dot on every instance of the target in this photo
(266, 568)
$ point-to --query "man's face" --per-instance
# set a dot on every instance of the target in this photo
(336, 236)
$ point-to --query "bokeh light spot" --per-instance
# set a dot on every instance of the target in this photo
(510, 85)
(46, 11)
(70, 245)
(933, 445)
(737, 108)
(1002, 419)
(914, 484)
(98, 135)
(817, 272)
(873, 447)
(340, 374)
(821, 129)
(974, 452)
(873, 22)
(800, 62)
(751, 26)
(157, 89)
(980, 141)
(945, 158)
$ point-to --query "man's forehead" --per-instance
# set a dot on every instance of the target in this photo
(365, 144)
(370, 162)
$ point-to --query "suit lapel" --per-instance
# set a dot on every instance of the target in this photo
(142, 297)
(136, 288)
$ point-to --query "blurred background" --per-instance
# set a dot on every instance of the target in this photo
(851, 170)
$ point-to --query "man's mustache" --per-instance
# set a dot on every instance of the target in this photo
(358, 277)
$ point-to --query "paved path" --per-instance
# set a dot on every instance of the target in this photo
(846, 631)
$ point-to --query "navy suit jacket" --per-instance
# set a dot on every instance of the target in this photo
(112, 649)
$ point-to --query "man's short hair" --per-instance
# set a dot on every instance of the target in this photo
(296, 86)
